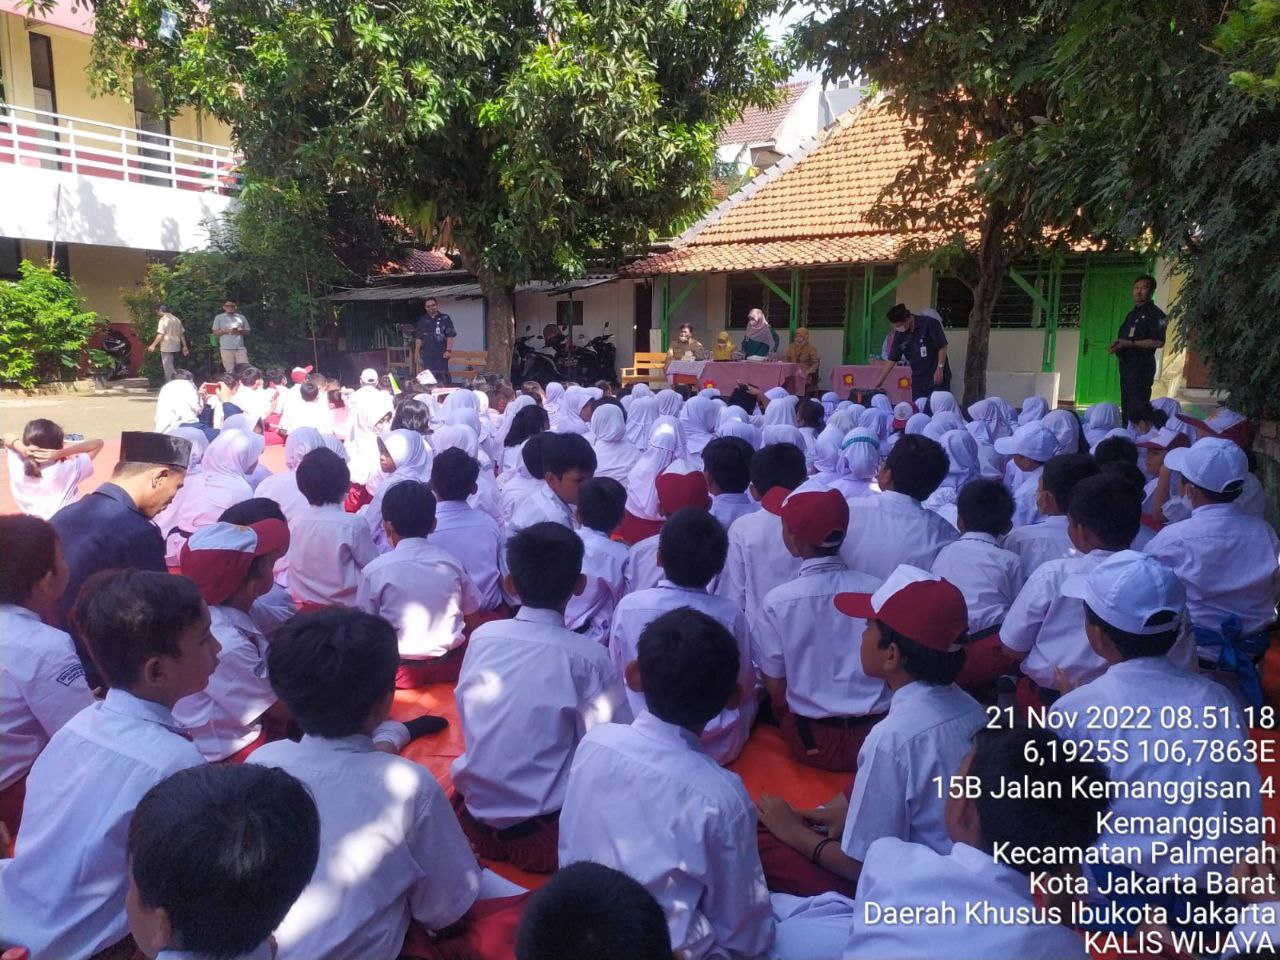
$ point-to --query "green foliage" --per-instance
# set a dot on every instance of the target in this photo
(43, 327)
(1251, 38)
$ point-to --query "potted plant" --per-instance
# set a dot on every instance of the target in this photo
(101, 365)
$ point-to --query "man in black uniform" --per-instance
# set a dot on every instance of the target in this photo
(1141, 335)
(433, 339)
(920, 341)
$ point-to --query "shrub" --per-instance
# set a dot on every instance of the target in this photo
(43, 327)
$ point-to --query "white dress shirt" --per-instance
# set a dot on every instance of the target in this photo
(1038, 543)
(513, 493)
(273, 610)
(529, 690)
(726, 735)
(758, 561)
(223, 717)
(728, 507)
(540, 506)
(57, 485)
(1025, 511)
(1156, 683)
(423, 592)
(927, 733)
(988, 576)
(896, 875)
(891, 528)
(282, 487)
(604, 562)
(391, 850)
(473, 537)
(800, 635)
(643, 569)
(42, 686)
(1227, 561)
(645, 799)
(63, 894)
(328, 548)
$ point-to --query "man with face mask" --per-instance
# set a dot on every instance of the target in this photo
(919, 340)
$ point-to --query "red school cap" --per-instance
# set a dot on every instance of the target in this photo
(915, 603)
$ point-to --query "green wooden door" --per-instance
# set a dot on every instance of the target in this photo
(1107, 297)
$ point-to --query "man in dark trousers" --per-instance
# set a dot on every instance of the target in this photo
(920, 341)
(1141, 335)
(433, 339)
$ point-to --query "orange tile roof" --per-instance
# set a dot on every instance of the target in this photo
(757, 125)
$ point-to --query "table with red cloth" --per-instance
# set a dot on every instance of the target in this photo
(863, 376)
(725, 375)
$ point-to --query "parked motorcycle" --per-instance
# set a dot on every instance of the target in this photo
(596, 360)
(120, 351)
(534, 359)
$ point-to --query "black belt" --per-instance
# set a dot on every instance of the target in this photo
(985, 632)
(526, 828)
(804, 727)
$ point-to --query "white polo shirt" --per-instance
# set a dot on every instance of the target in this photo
(223, 717)
(1038, 543)
(57, 485)
(473, 537)
(988, 576)
(282, 487)
(896, 874)
(42, 687)
(538, 507)
(391, 850)
(927, 733)
(528, 691)
(643, 570)
(725, 736)
(728, 507)
(889, 529)
(1227, 561)
(800, 635)
(513, 493)
(1025, 511)
(647, 800)
(63, 894)
(423, 592)
(328, 548)
(1156, 684)
(758, 561)
(604, 562)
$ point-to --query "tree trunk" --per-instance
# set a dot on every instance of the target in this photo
(500, 321)
(993, 262)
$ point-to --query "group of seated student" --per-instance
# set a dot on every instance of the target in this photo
(606, 691)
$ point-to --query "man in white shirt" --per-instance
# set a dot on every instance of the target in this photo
(470, 535)
(691, 552)
(1226, 559)
(529, 690)
(170, 338)
(893, 527)
(812, 669)
(601, 504)
(1030, 448)
(676, 491)
(646, 798)
(1046, 539)
(726, 462)
(328, 547)
(230, 327)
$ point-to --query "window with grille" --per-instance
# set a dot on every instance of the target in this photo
(823, 297)
(1014, 308)
(746, 293)
(10, 257)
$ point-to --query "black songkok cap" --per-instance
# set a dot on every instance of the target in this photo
(898, 313)
(158, 448)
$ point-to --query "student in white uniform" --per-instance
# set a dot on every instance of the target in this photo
(45, 472)
(328, 547)
(987, 575)
(893, 527)
(392, 857)
(648, 800)
(1227, 560)
(726, 463)
(676, 492)
(757, 560)
(420, 589)
(1029, 449)
(601, 503)
(469, 534)
(1046, 539)
(1132, 607)
(1164, 500)
(824, 702)
(63, 894)
(217, 856)
(567, 462)
(42, 683)
(529, 690)
(691, 552)
(232, 566)
(525, 480)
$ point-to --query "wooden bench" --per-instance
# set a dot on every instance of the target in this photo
(468, 364)
(647, 368)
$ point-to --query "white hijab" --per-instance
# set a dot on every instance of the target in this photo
(362, 444)
(1065, 427)
(782, 433)
(940, 424)
(178, 402)
(943, 401)
(514, 407)
(826, 453)
(669, 403)
(987, 422)
(568, 418)
(551, 398)
(1102, 419)
(615, 456)
(781, 411)
(858, 464)
(1033, 408)
(742, 430)
(640, 420)
(917, 423)
(701, 416)
(878, 420)
(199, 441)
(666, 447)
(881, 402)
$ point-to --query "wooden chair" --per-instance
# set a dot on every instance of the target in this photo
(468, 364)
(646, 368)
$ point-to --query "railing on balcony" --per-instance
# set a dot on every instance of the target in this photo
(54, 141)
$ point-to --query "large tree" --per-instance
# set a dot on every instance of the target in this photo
(531, 134)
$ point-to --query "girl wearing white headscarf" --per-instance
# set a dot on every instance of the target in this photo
(249, 424)
(1102, 419)
(916, 423)
(881, 402)
(962, 453)
(665, 450)
(1033, 408)
(551, 399)
(488, 497)
(615, 456)
(640, 420)
(830, 403)
(782, 433)
(223, 481)
(987, 422)
(943, 401)
(858, 465)
(467, 400)
(199, 441)
(403, 455)
(941, 424)
(826, 453)
(742, 430)
(701, 416)
(781, 411)
(1065, 427)
(509, 414)
(177, 404)
(878, 421)
(669, 403)
(370, 417)
(568, 418)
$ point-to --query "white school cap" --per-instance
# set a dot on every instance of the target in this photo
(1032, 440)
(369, 376)
(1212, 463)
(1129, 588)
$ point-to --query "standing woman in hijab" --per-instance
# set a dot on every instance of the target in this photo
(615, 455)
(802, 351)
(666, 448)
(760, 340)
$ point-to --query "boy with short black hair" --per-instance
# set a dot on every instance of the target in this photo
(420, 589)
(1037, 543)
(726, 462)
(1115, 449)
(639, 796)
(217, 856)
(601, 504)
(274, 608)
(676, 492)
(1029, 449)
(335, 671)
(517, 487)
(328, 547)
(567, 463)
(63, 894)
(470, 535)
(988, 575)
(555, 686)
(893, 527)
(691, 552)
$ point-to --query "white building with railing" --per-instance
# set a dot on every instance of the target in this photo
(103, 184)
